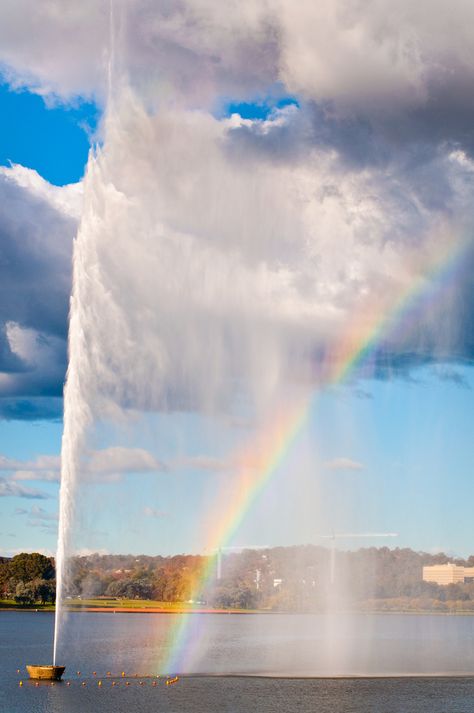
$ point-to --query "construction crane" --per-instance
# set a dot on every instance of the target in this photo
(349, 536)
(220, 550)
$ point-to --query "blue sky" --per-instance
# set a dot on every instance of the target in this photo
(392, 453)
(54, 141)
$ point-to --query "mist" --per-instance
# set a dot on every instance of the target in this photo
(226, 272)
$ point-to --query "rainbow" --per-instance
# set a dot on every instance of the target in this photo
(255, 468)
(399, 316)
(259, 462)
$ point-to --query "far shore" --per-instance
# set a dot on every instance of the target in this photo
(152, 607)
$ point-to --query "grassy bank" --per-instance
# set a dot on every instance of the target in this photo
(146, 605)
(375, 606)
(123, 605)
(11, 604)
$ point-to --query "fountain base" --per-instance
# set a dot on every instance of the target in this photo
(46, 673)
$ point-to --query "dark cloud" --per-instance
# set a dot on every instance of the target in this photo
(31, 409)
(35, 264)
(35, 277)
(453, 376)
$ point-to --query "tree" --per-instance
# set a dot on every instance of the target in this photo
(26, 567)
(24, 593)
(45, 590)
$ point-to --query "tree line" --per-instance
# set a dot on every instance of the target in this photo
(300, 578)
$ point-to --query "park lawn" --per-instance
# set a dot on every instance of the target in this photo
(143, 605)
(117, 605)
(12, 604)
(128, 604)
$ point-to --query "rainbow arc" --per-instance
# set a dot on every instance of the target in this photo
(260, 460)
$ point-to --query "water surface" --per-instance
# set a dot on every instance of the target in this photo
(280, 646)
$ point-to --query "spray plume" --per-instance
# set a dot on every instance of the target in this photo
(215, 275)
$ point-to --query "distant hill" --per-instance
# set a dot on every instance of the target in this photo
(299, 578)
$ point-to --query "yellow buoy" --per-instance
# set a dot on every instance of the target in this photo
(21, 683)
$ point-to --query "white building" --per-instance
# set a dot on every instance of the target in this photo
(447, 573)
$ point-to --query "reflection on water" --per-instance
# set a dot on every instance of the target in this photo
(272, 644)
(280, 644)
(289, 645)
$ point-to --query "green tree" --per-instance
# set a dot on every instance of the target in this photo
(26, 567)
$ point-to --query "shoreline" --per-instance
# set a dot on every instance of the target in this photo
(209, 610)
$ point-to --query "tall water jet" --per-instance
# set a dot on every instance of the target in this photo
(76, 419)
(77, 414)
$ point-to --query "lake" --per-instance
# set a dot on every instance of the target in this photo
(268, 651)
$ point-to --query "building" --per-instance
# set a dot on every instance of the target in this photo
(447, 573)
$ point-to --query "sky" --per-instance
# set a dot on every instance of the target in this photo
(270, 190)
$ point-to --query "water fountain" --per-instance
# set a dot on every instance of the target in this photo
(190, 295)
(45, 673)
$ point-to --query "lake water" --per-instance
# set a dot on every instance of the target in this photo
(279, 647)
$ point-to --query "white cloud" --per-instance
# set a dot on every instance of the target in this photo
(45, 468)
(365, 57)
(117, 459)
(153, 512)
(9, 488)
(87, 551)
(5, 552)
(106, 464)
(64, 199)
(37, 513)
(183, 49)
(194, 191)
(47, 476)
(343, 464)
(200, 462)
(42, 462)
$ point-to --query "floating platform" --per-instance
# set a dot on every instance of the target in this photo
(46, 673)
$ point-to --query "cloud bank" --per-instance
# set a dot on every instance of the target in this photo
(264, 240)
(37, 224)
(370, 58)
(107, 464)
